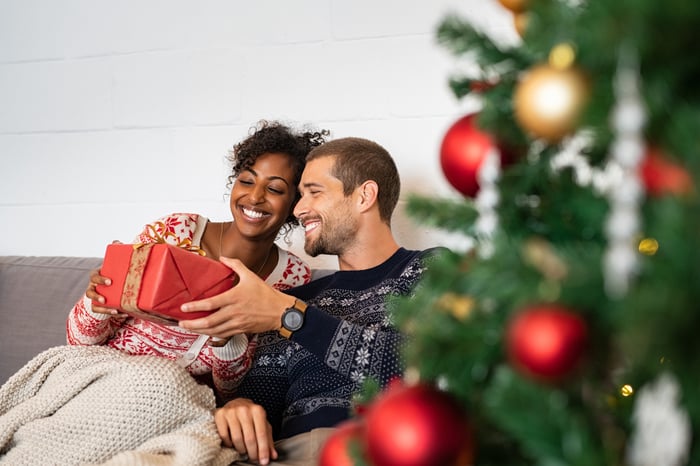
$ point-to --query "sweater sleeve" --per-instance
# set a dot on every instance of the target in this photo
(85, 327)
(231, 362)
(357, 351)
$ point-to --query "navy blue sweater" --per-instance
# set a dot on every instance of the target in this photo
(308, 381)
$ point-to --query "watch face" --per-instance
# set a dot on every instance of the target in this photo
(293, 319)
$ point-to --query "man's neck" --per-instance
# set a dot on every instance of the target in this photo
(368, 252)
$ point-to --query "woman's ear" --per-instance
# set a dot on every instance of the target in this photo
(367, 194)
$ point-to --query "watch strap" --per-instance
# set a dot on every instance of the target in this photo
(299, 306)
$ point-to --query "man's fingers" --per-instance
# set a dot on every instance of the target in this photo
(262, 434)
(224, 425)
(214, 324)
(243, 425)
(208, 304)
(266, 445)
(215, 302)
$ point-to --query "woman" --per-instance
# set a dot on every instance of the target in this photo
(266, 170)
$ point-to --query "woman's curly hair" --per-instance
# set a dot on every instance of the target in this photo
(274, 137)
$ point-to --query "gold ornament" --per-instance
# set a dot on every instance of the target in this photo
(516, 6)
(562, 56)
(548, 101)
(540, 254)
(626, 390)
(460, 306)
(648, 246)
(520, 21)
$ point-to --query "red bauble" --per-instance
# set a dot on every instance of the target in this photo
(463, 149)
(662, 176)
(336, 449)
(417, 426)
(546, 342)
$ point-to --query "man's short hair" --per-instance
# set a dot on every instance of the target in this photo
(358, 160)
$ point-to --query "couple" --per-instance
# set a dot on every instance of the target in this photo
(315, 343)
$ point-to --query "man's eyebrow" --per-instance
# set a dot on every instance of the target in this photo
(310, 184)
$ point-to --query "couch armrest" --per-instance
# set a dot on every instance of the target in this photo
(36, 294)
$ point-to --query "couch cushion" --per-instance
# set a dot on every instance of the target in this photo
(36, 294)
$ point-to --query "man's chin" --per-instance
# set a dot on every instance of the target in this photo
(314, 248)
(312, 252)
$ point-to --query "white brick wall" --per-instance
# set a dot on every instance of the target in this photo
(115, 113)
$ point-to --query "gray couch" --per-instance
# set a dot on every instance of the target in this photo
(36, 294)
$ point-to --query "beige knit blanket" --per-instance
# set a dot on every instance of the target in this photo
(75, 405)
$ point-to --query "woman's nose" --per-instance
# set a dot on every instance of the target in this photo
(257, 194)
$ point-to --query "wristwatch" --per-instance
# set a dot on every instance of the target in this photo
(293, 318)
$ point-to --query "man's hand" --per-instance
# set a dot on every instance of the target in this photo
(251, 306)
(243, 425)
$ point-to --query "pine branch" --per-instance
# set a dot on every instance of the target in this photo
(447, 214)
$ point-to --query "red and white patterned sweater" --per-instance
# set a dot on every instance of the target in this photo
(226, 364)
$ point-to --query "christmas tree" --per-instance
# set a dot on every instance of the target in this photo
(566, 335)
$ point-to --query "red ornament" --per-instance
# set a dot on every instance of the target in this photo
(336, 449)
(546, 342)
(417, 426)
(463, 149)
(662, 176)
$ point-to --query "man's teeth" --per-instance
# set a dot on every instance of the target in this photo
(310, 226)
(253, 213)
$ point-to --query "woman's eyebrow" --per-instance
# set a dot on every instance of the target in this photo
(273, 177)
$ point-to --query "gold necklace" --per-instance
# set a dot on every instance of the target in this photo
(221, 238)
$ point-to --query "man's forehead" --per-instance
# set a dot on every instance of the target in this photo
(319, 166)
(319, 171)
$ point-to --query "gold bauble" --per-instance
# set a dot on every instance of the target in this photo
(516, 6)
(548, 101)
(520, 21)
(460, 306)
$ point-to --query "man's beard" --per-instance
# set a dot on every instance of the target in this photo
(333, 239)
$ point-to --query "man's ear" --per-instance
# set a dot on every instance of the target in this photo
(367, 194)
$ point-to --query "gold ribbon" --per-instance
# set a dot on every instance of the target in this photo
(132, 285)
(153, 231)
(134, 275)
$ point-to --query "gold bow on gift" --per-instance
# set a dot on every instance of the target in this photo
(157, 237)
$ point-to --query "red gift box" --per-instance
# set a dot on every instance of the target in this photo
(151, 281)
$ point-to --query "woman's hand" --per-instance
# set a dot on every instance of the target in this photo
(243, 425)
(97, 299)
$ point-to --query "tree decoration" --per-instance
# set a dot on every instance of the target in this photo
(520, 21)
(546, 341)
(662, 176)
(486, 202)
(623, 223)
(417, 425)
(338, 448)
(516, 6)
(549, 99)
(458, 305)
(572, 156)
(648, 246)
(464, 148)
(661, 428)
(541, 255)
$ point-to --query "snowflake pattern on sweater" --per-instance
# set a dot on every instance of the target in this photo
(226, 364)
(348, 336)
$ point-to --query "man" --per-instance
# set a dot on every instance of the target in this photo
(318, 342)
